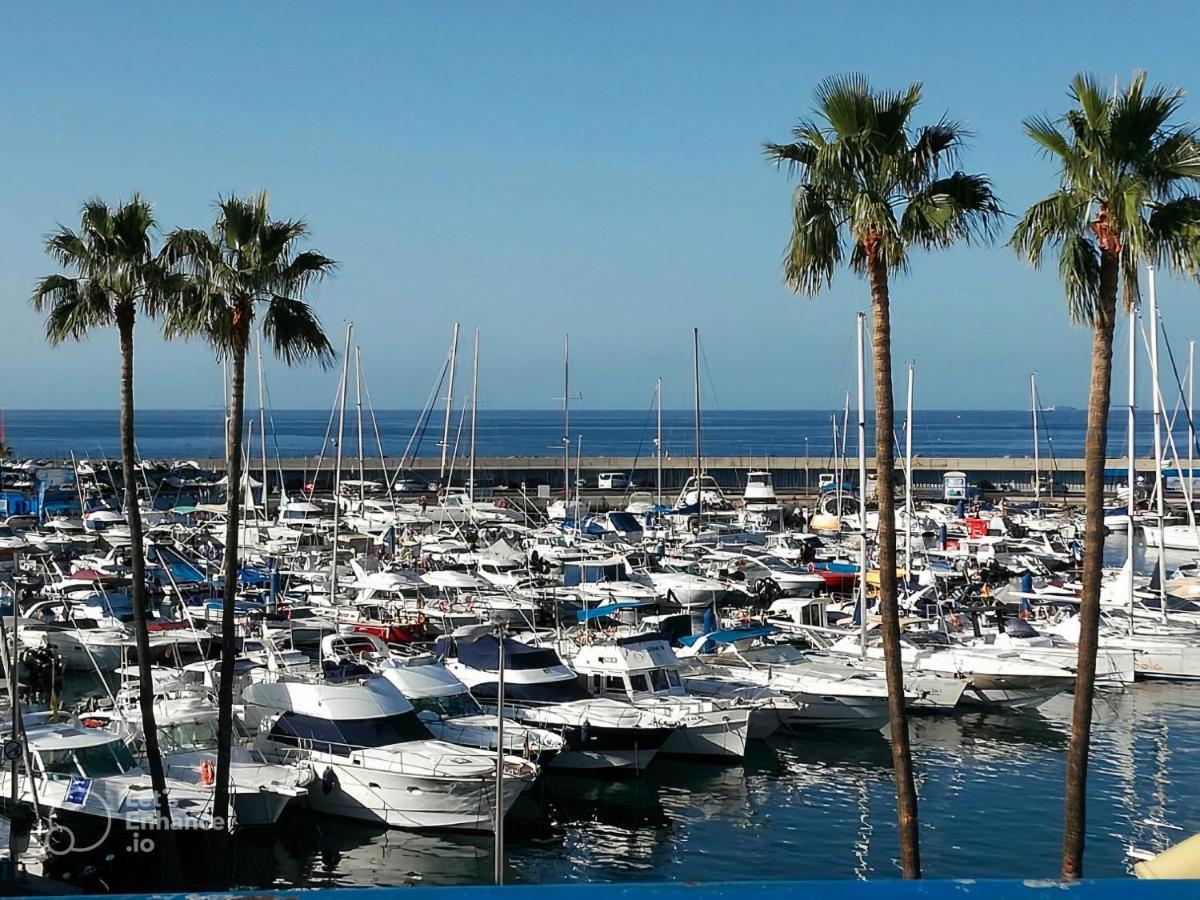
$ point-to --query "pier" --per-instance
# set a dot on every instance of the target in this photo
(794, 476)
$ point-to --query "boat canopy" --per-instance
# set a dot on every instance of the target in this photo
(730, 636)
(585, 615)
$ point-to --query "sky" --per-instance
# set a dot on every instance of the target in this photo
(541, 168)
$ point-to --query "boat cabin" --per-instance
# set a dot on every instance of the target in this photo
(637, 665)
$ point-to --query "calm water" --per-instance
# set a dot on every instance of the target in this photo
(178, 434)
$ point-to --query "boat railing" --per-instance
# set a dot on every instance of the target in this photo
(434, 764)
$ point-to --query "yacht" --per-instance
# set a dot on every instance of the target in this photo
(187, 738)
(88, 782)
(442, 702)
(375, 758)
(643, 670)
(996, 677)
(600, 734)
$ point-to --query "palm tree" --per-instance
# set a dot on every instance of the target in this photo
(1125, 197)
(871, 179)
(249, 264)
(116, 276)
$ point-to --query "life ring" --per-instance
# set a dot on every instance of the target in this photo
(811, 568)
(208, 773)
(420, 618)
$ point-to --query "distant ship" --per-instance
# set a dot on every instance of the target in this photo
(1059, 407)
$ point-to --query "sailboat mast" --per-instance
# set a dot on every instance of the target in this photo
(337, 469)
(908, 483)
(566, 420)
(862, 490)
(658, 440)
(362, 466)
(474, 410)
(696, 389)
(1131, 426)
(449, 403)
(1191, 421)
(262, 422)
(1158, 472)
(1037, 474)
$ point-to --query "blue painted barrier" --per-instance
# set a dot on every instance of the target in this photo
(1108, 889)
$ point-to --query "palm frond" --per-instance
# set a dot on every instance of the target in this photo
(960, 207)
(295, 333)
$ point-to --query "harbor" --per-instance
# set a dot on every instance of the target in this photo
(662, 452)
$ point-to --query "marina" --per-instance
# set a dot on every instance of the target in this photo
(677, 451)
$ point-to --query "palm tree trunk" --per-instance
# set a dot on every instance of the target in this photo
(906, 792)
(1094, 452)
(137, 564)
(233, 491)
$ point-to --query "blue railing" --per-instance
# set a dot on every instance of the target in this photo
(1109, 889)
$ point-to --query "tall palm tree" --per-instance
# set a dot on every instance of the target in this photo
(1126, 196)
(248, 265)
(870, 179)
(117, 276)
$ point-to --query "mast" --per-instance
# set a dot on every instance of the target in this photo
(362, 468)
(1131, 414)
(908, 485)
(1037, 475)
(862, 492)
(658, 439)
(566, 421)
(262, 422)
(449, 403)
(696, 389)
(1158, 472)
(837, 470)
(1191, 421)
(474, 410)
(337, 470)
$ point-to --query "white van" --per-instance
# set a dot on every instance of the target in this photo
(612, 481)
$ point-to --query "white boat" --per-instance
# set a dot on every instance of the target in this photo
(88, 782)
(375, 759)
(600, 734)
(643, 670)
(186, 717)
(442, 702)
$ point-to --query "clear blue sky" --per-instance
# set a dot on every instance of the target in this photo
(540, 167)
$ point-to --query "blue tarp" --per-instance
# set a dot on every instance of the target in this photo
(624, 522)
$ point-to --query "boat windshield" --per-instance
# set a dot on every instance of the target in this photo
(774, 562)
(104, 760)
(452, 706)
(775, 654)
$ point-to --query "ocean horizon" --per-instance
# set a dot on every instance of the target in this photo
(295, 433)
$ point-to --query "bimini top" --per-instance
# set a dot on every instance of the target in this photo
(369, 698)
(483, 653)
(608, 609)
(731, 636)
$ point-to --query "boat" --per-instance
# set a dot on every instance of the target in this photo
(375, 759)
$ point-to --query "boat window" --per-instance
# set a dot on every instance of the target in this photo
(452, 706)
(614, 685)
(58, 762)
(658, 678)
(673, 678)
(103, 760)
(343, 735)
(186, 736)
(639, 683)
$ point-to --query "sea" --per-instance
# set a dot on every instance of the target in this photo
(293, 433)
